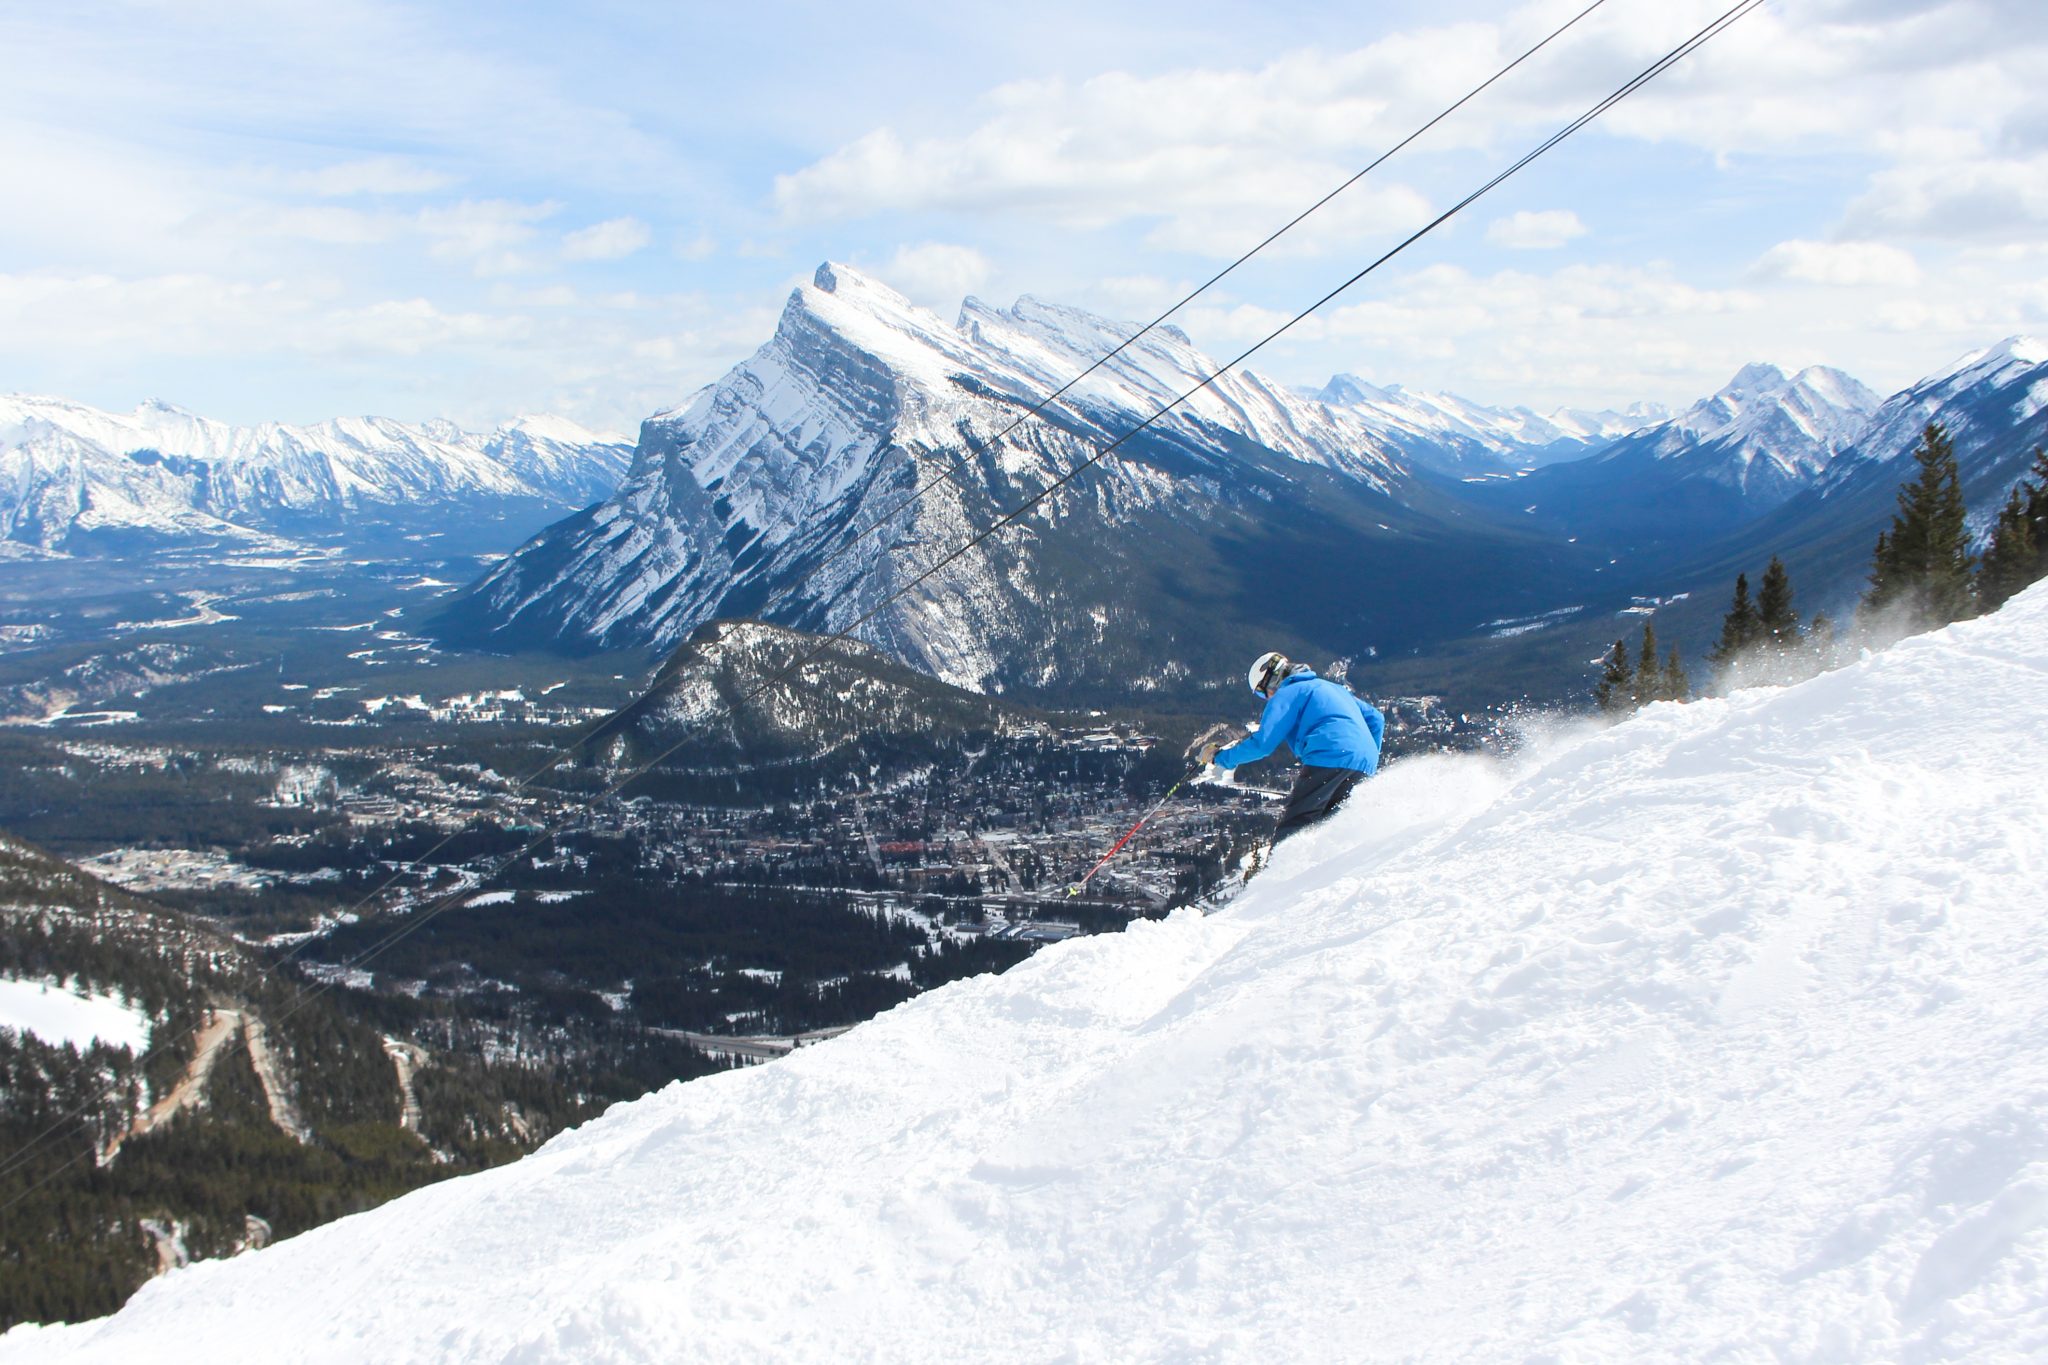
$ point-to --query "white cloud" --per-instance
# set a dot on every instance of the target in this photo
(1598, 334)
(1582, 333)
(486, 233)
(702, 247)
(1213, 153)
(319, 224)
(1957, 197)
(606, 361)
(1535, 231)
(409, 327)
(612, 240)
(1838, 263)
(936, 274)
(372, 175)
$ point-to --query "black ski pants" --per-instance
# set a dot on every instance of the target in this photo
(1317, 792)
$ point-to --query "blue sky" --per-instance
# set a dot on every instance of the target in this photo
(287, 211)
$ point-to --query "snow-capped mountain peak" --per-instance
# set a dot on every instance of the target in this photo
(548, 427)
(2019, 349)
(1445, 430)
(1823, 405)
(737, 499)
(1987, 396)
(67, 469)
(1764, 432)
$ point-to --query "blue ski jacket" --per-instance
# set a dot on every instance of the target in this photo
(1322, 722)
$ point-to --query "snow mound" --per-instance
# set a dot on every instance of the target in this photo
(1715, 1035)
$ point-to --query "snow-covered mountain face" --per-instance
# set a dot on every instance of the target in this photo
(1714, 1035)
(1991, 403)
(1765, 435)
(759, 497)
(1725, 462)
(1444, 431)
(71, 474)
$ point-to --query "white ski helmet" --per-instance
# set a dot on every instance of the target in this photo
(1268, 669)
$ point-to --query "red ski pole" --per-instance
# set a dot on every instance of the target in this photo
(1078, 887)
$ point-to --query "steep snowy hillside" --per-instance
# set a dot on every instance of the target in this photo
(1721, 1034)
(71, 475)
(1445, 431)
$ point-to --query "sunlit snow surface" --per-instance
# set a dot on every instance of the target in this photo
(57, 1015)
(1722, 1034)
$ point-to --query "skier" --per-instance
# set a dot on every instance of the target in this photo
(1334, 735)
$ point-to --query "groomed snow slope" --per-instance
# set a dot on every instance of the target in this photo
(1721, 1034)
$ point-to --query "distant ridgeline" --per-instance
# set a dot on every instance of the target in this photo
(79, 481)
(253, 1113)
(1392, 530)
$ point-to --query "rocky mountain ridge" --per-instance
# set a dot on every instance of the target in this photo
(73, 478)
(785, 492)
(869, 439)
(1445, 431)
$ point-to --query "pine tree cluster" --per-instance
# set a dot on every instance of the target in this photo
(1625, 685)
(2018, 553)
(1923, 574)
(1762, 641)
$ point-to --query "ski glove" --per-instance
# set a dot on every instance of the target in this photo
(1203, 750)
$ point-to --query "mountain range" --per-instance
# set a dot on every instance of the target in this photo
(77, 480)
(836, 480)
(868, 440)
(1445, 431)
(1753, 445)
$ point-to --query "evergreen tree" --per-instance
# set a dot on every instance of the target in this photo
(1923, 565)
(1615, 692)
(2018, 553)
(2012, 560)
(1677, 687)
(1777, 623)
(1624, 686)
(1649, 679)
(1741, 628)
